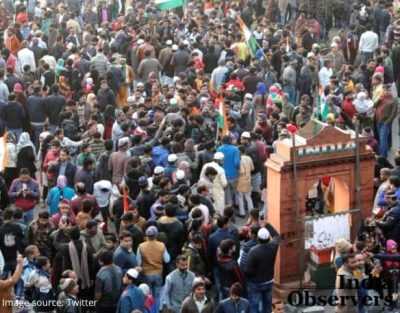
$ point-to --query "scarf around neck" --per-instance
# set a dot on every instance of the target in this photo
(81, 268)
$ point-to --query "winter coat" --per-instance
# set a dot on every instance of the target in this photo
(189, 306)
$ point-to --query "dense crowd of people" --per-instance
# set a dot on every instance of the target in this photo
(133, 137)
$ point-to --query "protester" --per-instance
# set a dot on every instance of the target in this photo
(178, 285)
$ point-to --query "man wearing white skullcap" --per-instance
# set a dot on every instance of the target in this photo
(219, 183)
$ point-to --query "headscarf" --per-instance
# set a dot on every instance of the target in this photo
(59, 67)
(25, 141)
(61, 181)
(390, 245)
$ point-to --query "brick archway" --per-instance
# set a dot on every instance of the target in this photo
(321, 150)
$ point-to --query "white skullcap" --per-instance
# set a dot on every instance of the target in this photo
(263, 234)
(180, 174)
(218, 156)
(172, 157)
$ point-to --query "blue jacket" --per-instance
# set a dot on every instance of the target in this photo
(54, 197)
(132, 298)
(124, 259)
(231, 161)
(230, 306)
(160, 156)
(382, 200)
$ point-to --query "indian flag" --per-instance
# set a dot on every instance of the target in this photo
(221, 117)
(164, 5)
(248, 36)
(322, 104)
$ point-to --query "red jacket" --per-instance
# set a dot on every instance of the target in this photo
(51, 156)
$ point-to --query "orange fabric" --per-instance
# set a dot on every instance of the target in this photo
(13, 44)
(125, 200)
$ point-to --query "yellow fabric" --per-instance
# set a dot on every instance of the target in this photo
(242, 51)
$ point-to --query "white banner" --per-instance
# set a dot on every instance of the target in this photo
(323, 232)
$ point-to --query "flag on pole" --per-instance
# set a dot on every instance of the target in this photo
(221, 116)
(251, 41)
(169, 4)
(322, 104)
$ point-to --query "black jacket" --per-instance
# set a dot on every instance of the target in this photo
(175, 234)
(27, 158)
(261, 261)
(390, 224)
(137, 236)
(54, 105)
(70, 171)
(62, 260)
(11, 241)
(228, 271)
(104, 98)
(85, 177)
(13, 115)
(36, 109)
(144, 202)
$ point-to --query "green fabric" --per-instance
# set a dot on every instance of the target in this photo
(169, 4)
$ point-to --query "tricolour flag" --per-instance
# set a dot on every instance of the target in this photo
(251, 41)
(322, 104)
(169, 4)
(221, 116)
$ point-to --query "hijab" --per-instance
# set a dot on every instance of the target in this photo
(59, 67)
(25, 141)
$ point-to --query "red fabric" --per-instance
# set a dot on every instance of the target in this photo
(11, 62)
(237, 83)
(108, 129)
(149, 302)
(25, 204)
(51, 156)
(326, 180)
(198, 63)
(21, 18)
(349, 108)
